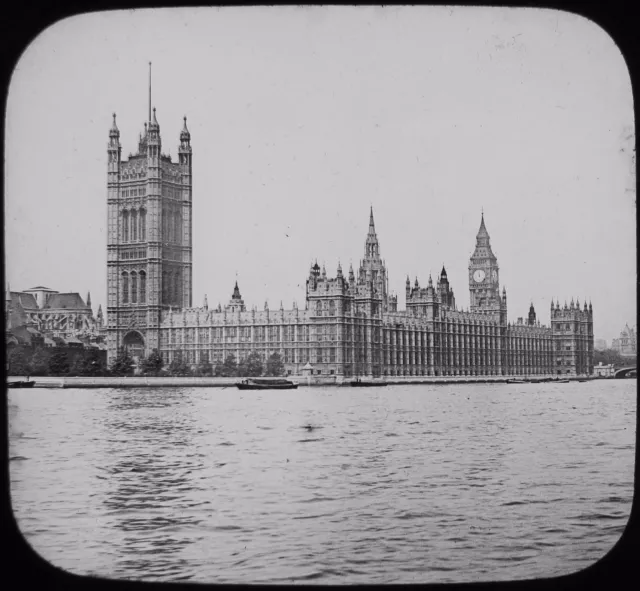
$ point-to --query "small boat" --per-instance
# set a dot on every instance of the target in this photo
(516, 382)
(266, 384)
(562, 381)
(21, 384)
(358, 383)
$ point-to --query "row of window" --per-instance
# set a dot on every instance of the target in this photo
(134, 225)
(134, 192)
(134, 287)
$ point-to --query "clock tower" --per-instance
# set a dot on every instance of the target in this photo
(484, 275)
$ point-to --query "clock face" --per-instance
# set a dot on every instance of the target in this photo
(478, 276)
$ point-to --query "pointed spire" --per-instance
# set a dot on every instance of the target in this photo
(205, 303)
(443, 273)
(482, 232)
(88, 299)
(430, 284)
(185, 136)
(371, 246)
(114, 131)
(154, 121)
(236, 292)
(416, 285)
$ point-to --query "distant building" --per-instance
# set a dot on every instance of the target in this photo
(604, 371)
(600, 344)
(626, 344)
(41, 315)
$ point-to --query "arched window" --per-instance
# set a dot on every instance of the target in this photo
(319, 308)
(332, 308)
(165, 288)
(143, 224)
(174, 226)
(165, 225)
(143, 287)
(134, 287)
(176, 288)
(125, 226)
(134, 225)
(125, 288)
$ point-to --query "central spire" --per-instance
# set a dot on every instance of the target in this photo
(371, 248)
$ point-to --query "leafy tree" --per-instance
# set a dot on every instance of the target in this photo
(229, 368)
(92, 363)
(77, 365)
(59, 364)
(275, 365)
(204, 368)
(612, 356)
(153, 364)
(123, 364)
(251, 366)
(39, 362)
(178, 367)
(18, 362)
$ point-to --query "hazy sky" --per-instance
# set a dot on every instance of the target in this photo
(301, 118)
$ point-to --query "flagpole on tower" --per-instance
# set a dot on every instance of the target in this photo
(149, 92)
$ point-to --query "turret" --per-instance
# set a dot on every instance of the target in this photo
(100, 317)
(88, 299)
(408, 287)
(532, 316)
(184, 151)
(205, 303)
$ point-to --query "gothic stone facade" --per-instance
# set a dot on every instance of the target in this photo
(350, 326)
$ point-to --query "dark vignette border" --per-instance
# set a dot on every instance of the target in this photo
(21, 23)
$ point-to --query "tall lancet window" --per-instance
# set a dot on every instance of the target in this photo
(176, 288)
(125, 226)
(165, 225)
(125, 288)
(143, 287)
(174, 226)
(134, 287)
(165, 288)
(143, 224)
(134, 225)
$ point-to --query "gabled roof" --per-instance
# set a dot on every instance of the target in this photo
(24, 300)
(68, 301)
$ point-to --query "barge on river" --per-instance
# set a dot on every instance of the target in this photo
(266, 384)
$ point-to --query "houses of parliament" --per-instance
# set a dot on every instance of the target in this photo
(350, 324)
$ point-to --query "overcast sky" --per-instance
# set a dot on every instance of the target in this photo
(301, 118)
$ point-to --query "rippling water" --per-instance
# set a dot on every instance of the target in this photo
(327, 485)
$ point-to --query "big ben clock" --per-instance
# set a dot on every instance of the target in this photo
(478, 276)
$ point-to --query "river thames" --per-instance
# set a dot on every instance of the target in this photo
(401, 484)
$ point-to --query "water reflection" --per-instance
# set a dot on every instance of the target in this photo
(152, 496)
